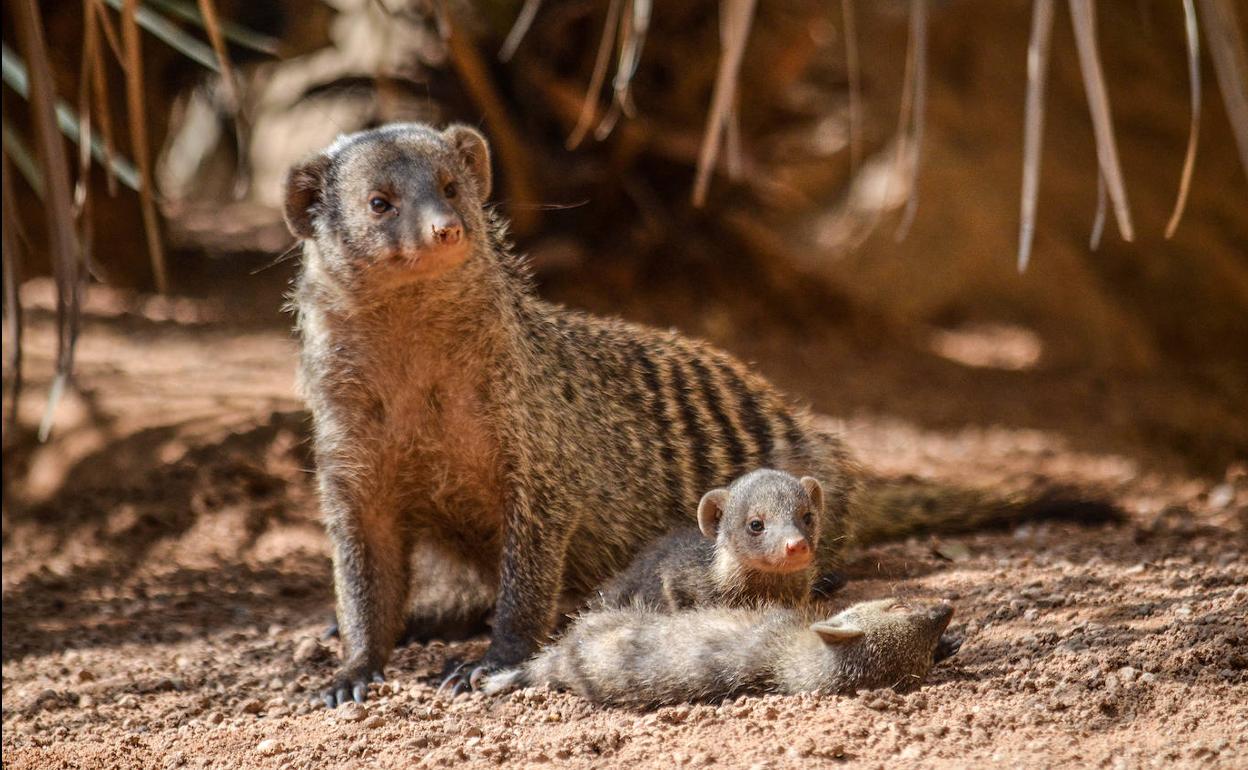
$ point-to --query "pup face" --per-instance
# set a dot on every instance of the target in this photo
(888, 643)
(769, 520)
(392, 205)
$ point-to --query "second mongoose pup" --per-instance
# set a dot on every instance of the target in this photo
(754, 543)
(640, 657)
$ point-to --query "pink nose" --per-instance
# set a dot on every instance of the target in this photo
(796, 547)
(447, 234)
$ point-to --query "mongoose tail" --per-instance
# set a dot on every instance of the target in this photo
(895, 509)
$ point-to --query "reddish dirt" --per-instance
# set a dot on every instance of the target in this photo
(165, 580)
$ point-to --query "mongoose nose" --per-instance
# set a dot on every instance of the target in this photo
(941, 614)
(796, 547)
(447, 233)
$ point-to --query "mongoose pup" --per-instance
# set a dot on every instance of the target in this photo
(754, 543)
(454, 409)
(638, 657)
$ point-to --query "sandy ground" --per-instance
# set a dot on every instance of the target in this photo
(165, 582)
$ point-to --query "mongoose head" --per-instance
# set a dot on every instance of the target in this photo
(392, 205)
(768, 520)
(884, 643)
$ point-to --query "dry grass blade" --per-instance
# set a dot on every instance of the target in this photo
(918, 34)
(1193, 133)
(518, 30)
(62, 242)
(242, 36)
(15, 77)
(741, 16)
(1082, 16)
(16, 149)
(590, 108)
(110, 31)
(1033, 124)
(90, 38)
(95, 19)
(138, 137)
(12, 303)
(1226, 48)
(854, 72)
(632, 40)
(212, 25)
(1102, 211)
(164, 30)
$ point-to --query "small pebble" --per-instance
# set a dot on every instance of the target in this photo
(268, 747)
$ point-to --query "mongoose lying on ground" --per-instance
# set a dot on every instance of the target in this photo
(640, 657)
(754, 543)
(533, 448)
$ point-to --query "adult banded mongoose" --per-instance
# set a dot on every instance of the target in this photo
(640, 657)
(754, 543)
(463, 426)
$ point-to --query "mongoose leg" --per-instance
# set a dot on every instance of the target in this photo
(533, 559)
(371, 577)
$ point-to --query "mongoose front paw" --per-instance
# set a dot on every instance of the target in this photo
(469, 675)
(948, 646)
(351, 683)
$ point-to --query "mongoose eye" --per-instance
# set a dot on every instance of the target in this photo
(379, 205)
(809, 519)
(450, 190)
(756, 526)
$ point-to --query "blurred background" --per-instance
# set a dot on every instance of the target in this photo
(860, 177)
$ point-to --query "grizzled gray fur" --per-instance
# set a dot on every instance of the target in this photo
(464, 426)
(639, 657)
(754, 543)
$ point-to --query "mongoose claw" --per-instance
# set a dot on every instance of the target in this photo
(351, 685)
(828, 584)
(457, 681)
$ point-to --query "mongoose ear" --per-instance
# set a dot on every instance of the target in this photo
(710, 510)
(833, 632)
(305, 187)
(815, 490)
(474, 151)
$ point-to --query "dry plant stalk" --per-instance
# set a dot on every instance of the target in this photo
(739, 15)
(519, 29)
(854, 73)
(1226, 48)
(597, 78)
(1083, 18)
(1193, 133)
(58, 201)
(917, 71)
(11, 260)
(138, 136)
(1033, 124)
